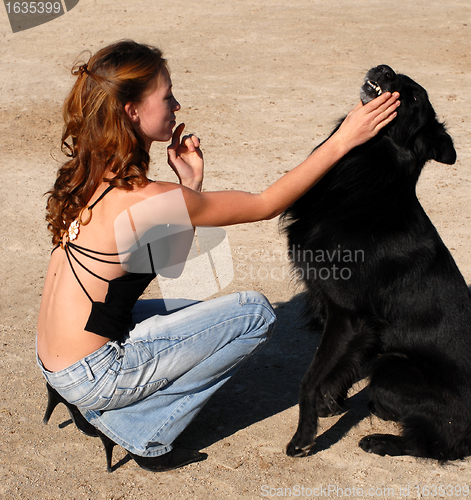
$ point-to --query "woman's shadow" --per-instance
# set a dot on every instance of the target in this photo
(267, 384)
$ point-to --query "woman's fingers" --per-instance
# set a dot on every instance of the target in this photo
(384, 100)
(381, 110)
(172, 149)
(191, 142)
(388, 106)
(389, 117)
(387, 112)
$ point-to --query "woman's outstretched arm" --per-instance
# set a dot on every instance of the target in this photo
(221, 208)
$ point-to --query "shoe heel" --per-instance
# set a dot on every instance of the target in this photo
(108, 445)
(53, 399)
(82, 424)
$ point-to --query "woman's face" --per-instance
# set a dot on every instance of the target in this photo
(154, 117)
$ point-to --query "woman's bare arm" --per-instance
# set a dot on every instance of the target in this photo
(221, 208)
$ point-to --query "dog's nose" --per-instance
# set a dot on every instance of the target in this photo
(386, 72)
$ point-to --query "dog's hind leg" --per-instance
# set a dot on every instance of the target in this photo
(435, 423)
(397, 387)
(332, 372)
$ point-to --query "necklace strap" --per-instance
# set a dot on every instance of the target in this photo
(105, 192)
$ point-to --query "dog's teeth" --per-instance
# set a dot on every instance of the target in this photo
(375, 86)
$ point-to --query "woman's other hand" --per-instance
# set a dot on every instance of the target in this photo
(186, 159)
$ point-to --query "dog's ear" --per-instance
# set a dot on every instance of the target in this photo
(436, 144)
(444, 148)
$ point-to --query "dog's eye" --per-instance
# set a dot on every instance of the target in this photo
(415, 98)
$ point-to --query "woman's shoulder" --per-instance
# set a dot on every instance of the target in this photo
(164, 197)
(155, 196)
(138, 194)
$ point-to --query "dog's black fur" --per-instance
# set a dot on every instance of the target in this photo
(400, 314)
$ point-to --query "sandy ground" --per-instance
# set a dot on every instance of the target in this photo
(261, 82)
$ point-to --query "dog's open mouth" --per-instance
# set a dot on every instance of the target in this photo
(375, 87)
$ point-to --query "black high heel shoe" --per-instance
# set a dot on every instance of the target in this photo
(54, 398)
(174, 459)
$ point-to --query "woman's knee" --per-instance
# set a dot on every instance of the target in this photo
(262, 309)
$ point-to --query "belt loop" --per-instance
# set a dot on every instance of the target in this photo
(90, 375)
(117, 347)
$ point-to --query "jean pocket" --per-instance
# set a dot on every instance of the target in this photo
(123, 397)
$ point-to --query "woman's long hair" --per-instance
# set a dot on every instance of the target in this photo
(97, 132)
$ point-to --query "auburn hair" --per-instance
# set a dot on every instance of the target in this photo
(97, 132)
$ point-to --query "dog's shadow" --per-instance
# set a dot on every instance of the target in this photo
(267, 384)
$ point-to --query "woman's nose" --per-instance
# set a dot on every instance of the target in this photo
(176, 105)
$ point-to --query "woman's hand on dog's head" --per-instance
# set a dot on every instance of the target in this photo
(365, 121)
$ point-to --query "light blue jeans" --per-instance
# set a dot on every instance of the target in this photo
(143, 393)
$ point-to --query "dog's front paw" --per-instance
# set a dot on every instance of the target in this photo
(297, 448)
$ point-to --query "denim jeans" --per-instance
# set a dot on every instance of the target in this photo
(144, 392)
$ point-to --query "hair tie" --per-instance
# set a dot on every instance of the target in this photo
(80, 69)
(84, 69)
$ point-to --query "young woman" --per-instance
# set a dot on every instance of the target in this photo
(128, 373)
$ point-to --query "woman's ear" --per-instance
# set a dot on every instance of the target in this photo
(131, 111)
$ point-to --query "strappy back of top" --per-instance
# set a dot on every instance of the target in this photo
(111, 318)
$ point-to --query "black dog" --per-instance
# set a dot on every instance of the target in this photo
(395, 306)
